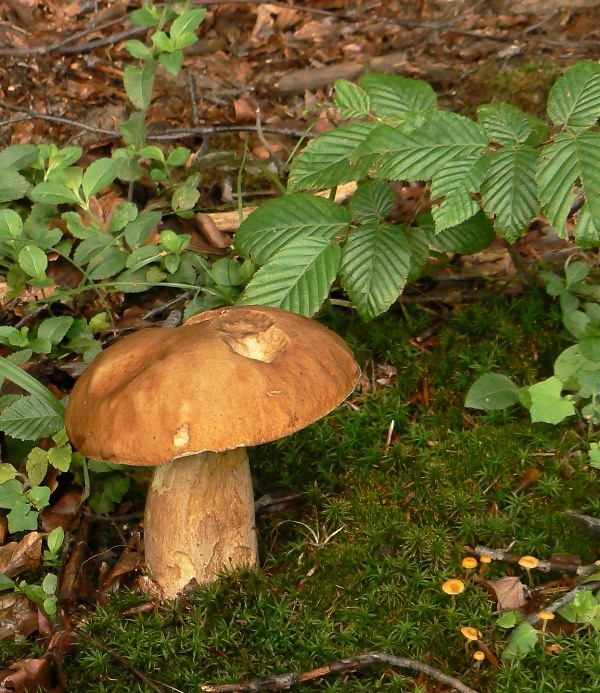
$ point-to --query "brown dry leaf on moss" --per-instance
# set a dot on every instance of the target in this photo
(26, 675)
(509, 592)
(23, 555)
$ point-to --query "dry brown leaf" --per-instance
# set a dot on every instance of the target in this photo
(530, 477)
(26, 675)
(23, 555)
(61, 513)
(509, 592)
(128, 562)
(18, 616)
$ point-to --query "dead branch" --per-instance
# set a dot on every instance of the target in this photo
(277, 683)
(544, 566)
(63, 47)
(175, 134)
(565, 599)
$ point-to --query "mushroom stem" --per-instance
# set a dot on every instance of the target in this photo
(199, 519)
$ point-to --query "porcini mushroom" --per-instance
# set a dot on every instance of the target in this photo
(189, 400)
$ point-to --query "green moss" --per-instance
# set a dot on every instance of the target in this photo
(360, 566)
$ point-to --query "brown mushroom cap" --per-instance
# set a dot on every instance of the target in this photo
(228, 378)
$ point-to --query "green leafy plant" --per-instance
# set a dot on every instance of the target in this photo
(488, 177)
(574, 387)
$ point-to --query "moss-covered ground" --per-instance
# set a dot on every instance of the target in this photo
(359, 566)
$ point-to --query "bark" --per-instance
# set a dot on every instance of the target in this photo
(199, 519)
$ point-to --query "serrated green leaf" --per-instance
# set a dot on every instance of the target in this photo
(138, 82)
(108, 263)
(33, 261)
(503, 123)
(88, 249)
(297, 278)
(492, 391)
(55, 539)
(139, 50)
(22, 518)
(18, 156)
(397, 98)
(456, 181)
(172, 62)
(326, 161)
(522, 641)
(145, 16)
(286, 219)
(471, 236)
(571, 157)
(98, 175)
(375, 265)
(60, 457)
(55, 329)
(30, 419)
(587, 229)
(352, 100)
(13, 186)
(574, 100)
(11, 224)
(547, 403)
(124, 214)
(39, 496)
(187, 22)
(7, 471)
(11, 492)
(422, 152)
(509, 192)
(37, 466)
(372, 202)
(54, 193)
(179, 156)
(137, 232)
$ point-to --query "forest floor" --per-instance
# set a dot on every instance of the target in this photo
(364, 525)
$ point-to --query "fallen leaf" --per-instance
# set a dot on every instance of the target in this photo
(510, 593)
(61, 513)
(26, 675)
(18, 616)
(530, 477)
(24, 555)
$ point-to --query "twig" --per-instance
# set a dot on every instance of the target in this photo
(122, 661)
(174, 134)
(543, 566)
(340, 666)
(63, 47)
(275, 160)
(565, 599)
(193, 99)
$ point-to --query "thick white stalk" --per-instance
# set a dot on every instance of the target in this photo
(199, 519)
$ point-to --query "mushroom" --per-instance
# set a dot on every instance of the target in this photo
(188, 401)
(453, 587)
(468, 563)
(545, 616)
(528, 562)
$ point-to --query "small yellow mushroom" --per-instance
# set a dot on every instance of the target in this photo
(478, 656)
(485, 560)
(529, 562)
(545, 616)
(469, 563)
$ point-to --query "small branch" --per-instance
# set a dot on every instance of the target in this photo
(565, 599)
(275, 160)
(543, 566)
(174, 134)
(64, 48)
(340, 666)
(194, 101)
